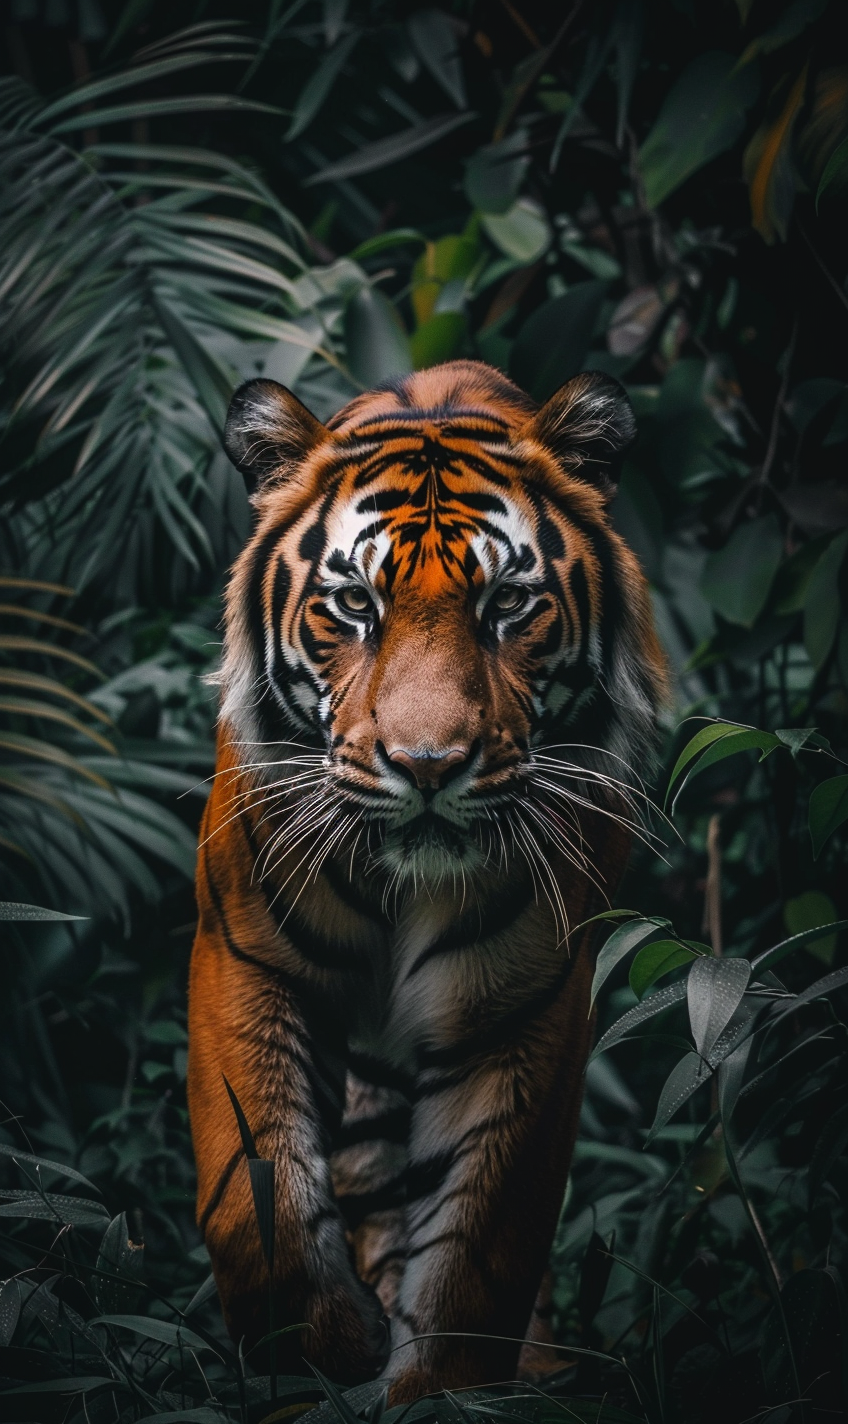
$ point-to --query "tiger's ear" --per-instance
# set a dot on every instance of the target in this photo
(587, 424)
(267, 428)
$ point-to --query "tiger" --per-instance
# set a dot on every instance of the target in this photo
(439, 670)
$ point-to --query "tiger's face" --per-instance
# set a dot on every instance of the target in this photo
(433, 595)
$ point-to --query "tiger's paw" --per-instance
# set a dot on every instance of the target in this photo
(349, 1338)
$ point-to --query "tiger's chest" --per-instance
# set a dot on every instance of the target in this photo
(445, 972)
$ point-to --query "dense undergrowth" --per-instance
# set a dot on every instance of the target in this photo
(330, 194)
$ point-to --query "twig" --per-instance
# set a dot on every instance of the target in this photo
(774, 431)
(823, 268)
(711, 924)
(535, 70)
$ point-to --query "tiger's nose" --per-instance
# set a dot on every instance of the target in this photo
(430, 771)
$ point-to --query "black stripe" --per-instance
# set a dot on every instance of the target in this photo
(389, 1126)
(217, 1196)
(500, 915)
(498, 1033)
(379, 1074)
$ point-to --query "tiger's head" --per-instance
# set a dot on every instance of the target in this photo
(435, 600)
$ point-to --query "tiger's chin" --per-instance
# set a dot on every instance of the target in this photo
(431, 852)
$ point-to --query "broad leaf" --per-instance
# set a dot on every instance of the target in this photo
(620, 943)
(714, 990)
(377, 345)
(737, 579)
(435, 41)
(717, 747)
(822, 607)
(684, 1079)
(522, 232)
(554, 342)
(634, 1018)
(703, 114)
(75, 1211)
(828, 810)
(493, 176)
(657, 959)
(765, 962)
(122, 1258)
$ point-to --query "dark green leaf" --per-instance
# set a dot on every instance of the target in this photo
(684, 1079)
(45, 1162)
(828, 810)
(620, 943)
(435, 41)
(12, 911)
(553, 343)
(822, 602)
(385, 151)
(493, 176)
(162, 1330)
(714, 991)
(702, 115)
(122, 1258)
(318, 86)
(656, 1003)
(835, 174)
(377, 345)
(655, 960)
(737, 579)
(765, 962)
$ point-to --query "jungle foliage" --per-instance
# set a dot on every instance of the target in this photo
(331, 192)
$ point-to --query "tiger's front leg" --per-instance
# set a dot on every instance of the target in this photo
(247, 1026)
(491, 1144)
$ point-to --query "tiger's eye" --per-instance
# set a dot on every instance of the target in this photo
(354, 600)
(509, 598)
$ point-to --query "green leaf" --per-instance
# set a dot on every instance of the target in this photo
(213, 384)
(385, 151)
(434, 39)
(11, 1301)
(809, 911)
(72, 1384)
(122, 1258)
(494, 174)
(61, 1170)
(621, 943)
(655, 960)
(522, 232)
(656, 1003)
(765, 962)
(160, 108)
(10, 910)
(828, 810)
(829, 1148)
(714, 990)
(75, 1211)
(318, 86)
(440, 338)
(377, 345)
(715, 742)
(554, 342)
(822, 602)
(685, 1078)
(736, 580)
(702, 116)
(204, 1414)
(835, 174)
(162, 1330)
